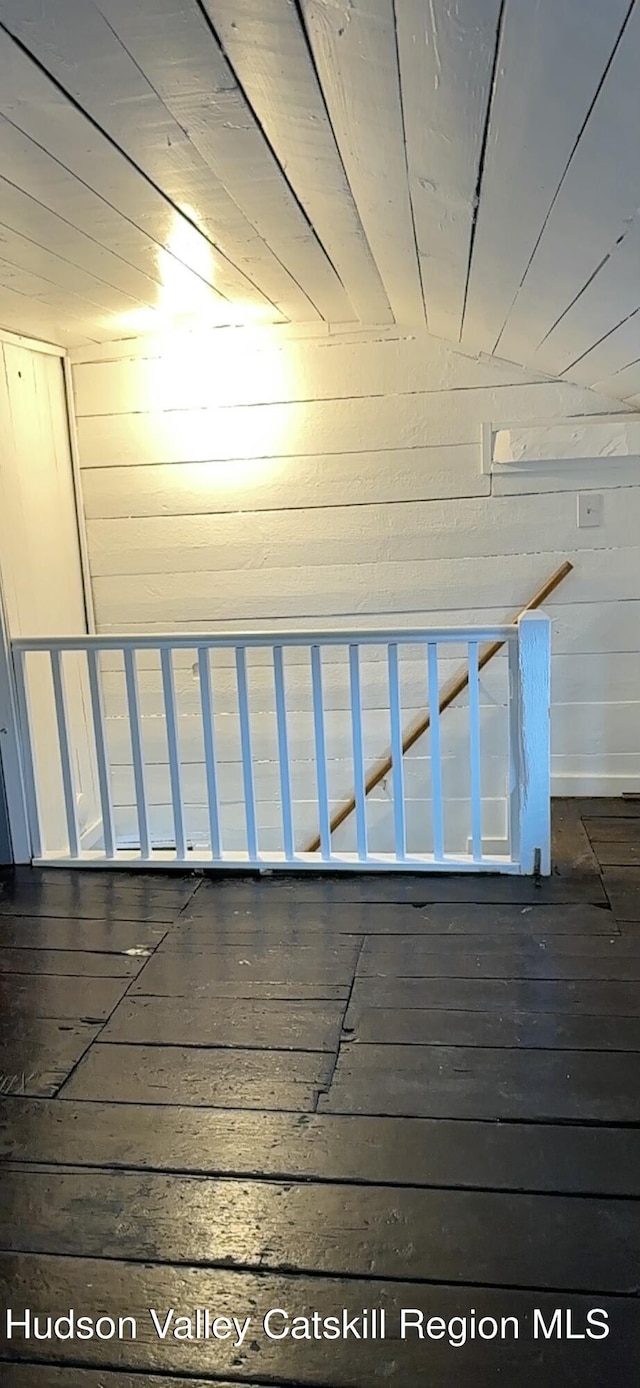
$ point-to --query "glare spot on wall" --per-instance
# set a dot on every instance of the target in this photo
(222, 397)
(218, 382)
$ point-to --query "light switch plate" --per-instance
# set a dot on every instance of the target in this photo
(590, 509)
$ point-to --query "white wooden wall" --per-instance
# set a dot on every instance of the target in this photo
(40, 571)
(255, 480)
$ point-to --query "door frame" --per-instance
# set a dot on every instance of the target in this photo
(10, 750)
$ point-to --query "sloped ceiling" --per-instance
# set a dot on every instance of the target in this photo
(468, 166)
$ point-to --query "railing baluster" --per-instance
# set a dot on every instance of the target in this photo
(65, 754)
(101, 752)
(321, 754)
(27, 754)
(474, 738)
(247, 760)
(358, 752)
(175, 776)
(206, 704)
(437, 808)
(397, 754)
(283, 753)
(135, 729)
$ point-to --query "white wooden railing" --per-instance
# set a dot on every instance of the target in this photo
(157, 751)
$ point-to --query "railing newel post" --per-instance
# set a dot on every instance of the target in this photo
(533, 702)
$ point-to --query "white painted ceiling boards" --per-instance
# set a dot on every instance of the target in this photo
(471, 166)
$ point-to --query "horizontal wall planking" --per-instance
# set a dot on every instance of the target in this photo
(338, 736)
(294, 483)
(602, 628)
(419, 828)
(622, 767)
(573, 726)
(335, 689)
(223, 368)
(417, 779)
(260, 664)
(430, 531)
(267, 782)
(320, 426)
(374, 685)
(614, 679)
(340, 590)
(608, 775)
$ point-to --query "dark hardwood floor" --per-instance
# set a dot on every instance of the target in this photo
(326, 1095)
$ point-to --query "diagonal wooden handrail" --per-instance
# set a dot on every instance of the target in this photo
(381, 768)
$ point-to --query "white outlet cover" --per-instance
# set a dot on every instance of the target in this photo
(590, 509)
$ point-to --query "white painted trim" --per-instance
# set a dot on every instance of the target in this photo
(155, 344)
(91, 836)
(85, 565)
(489, 431)
(348, 862)
(486, 449)
(585, 784)
(32, 343)
(493, 848)
(11, 755)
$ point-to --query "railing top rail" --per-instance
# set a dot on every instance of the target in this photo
(191, 641)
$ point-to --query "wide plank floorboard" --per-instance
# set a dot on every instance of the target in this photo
(37, 1054)
(420, 888)
(266, 1024)
(485, 1083)
(233, 970)
(616, 829)
(218, 1076)
(623, 890)
(35, 891)
(434, 1027)
(505, 995)
(47, 1376)
(547, 1241)
(603, 806)
(56, 933)
(617, 854)
(351, 1149)
(103, 1287)
(71, 962)
(84, 999)
(405, 952)
(571, 850)
(213, 923)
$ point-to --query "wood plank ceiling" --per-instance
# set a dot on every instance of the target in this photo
(468, 166)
